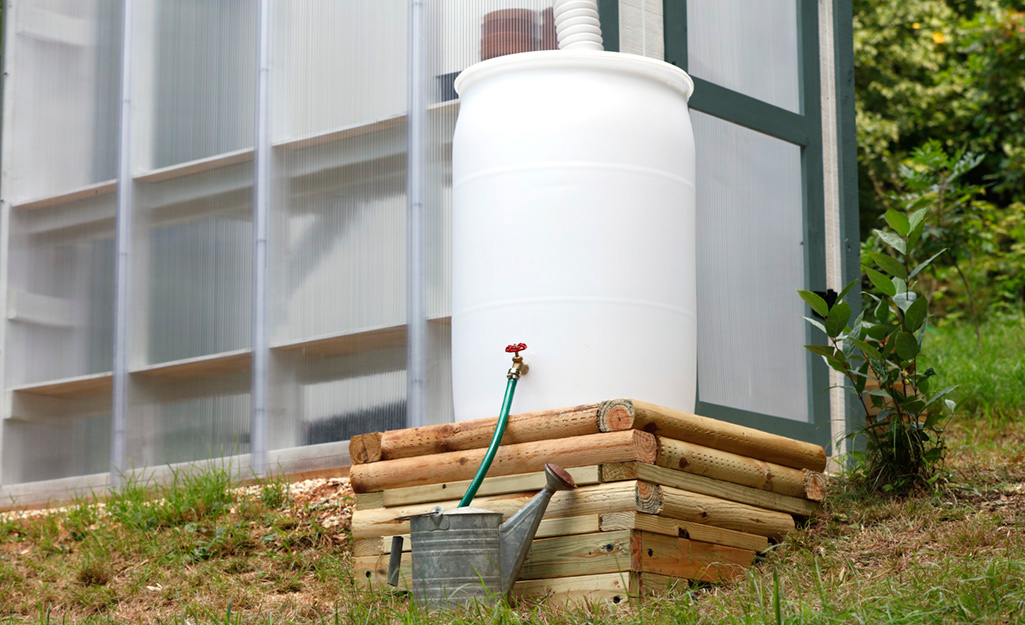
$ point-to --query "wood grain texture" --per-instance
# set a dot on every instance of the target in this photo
(721, 435)
(666, 526)
(523, 482)
(614, 588)
(730, 467)
(578, 451)
(586, 500)
(521, 428)
(620, 552)
(586, 554)
(567, 526)
(364, 448)
(679, 557)
(565, 556)
(707, 486)
(687, 506)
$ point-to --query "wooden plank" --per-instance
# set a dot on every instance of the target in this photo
(700, 532)
(198, 367)
(615, 588)
(334, 345)
(44, 310)
(567, 526)
(707, 486)
(617, 553)
(583, 476)
(612, 587)
(712, 433)
(730, 467)
(586, 500)
(586, 554)
(107, 187)
(368, 501)
(687, 506)
(477, 434)
(80, 386)
(653, 584)
(679, 557)
(197, 166)
(579, 451)
(364, 448)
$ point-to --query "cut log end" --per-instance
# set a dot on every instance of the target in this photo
(646, 447)
(616, 415)
(649, 498)
(365, 448)
(815, 486)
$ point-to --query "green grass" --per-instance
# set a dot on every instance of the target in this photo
(991, 383)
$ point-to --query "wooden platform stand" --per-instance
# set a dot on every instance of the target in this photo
(662, 495)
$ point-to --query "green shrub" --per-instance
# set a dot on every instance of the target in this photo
(902, 434)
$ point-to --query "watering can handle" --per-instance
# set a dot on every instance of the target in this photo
(395, 561)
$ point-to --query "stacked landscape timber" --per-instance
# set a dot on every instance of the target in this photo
(662, 494)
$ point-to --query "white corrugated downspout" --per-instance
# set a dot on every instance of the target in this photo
(577, 25)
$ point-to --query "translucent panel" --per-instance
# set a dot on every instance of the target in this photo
(750, 266)
(193, 267)
(185, 420)
(196, 73)
(61, 80)
(462, 33)
(459, 34)
(60, 291)
(338, 225)
(750, 47)
(191, 258)
(345, 257)
(55, 447)
(337, 65)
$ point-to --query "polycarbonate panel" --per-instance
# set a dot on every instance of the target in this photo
(197, 77)
(190, 421)
(54, 448)
(62, 77)
(191, 258)
(60, 291)
(459, 34)
(337, 65)
(750, 47)
(337, 299)
(193, 265)
(750, 267)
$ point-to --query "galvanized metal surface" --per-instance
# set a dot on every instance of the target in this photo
(456, 556)
(468, 554)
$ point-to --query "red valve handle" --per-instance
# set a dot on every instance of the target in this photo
(517, 348)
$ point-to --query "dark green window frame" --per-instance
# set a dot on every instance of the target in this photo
(803, 129)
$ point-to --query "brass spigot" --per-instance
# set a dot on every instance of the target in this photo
(519, 367)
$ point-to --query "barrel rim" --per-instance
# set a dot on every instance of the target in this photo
(670, 75)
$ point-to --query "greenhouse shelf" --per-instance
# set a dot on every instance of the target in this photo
(67, 388)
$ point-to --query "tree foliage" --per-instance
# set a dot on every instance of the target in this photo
(947, 70)
(941, 121)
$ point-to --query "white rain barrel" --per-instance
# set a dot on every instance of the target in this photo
(573, 232)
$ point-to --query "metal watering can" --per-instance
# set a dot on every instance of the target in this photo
(468, 553)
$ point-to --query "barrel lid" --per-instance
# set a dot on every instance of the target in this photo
(669, 75)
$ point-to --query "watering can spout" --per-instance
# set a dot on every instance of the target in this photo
(517, 533)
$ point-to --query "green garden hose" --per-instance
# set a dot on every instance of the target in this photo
(517, 369)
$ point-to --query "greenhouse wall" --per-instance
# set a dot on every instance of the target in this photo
(225, 226)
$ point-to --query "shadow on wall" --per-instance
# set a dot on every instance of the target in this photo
(390, 416)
